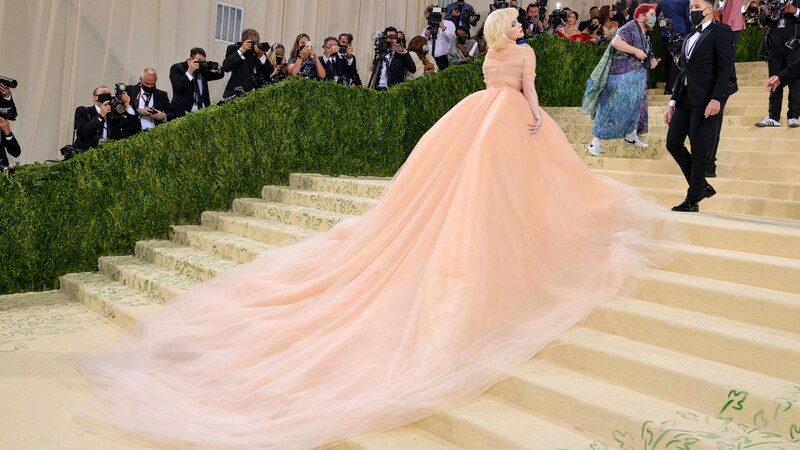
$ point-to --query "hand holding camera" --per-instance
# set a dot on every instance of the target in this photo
(5, 91)
(194, 65)
(246, 47)
(105, 108)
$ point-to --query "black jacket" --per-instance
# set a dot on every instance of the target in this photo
(247, 73)
(400, 62)
(340, 68)
(706, 75)
(160, 102)
(775, 36)
(8, 144)
(183, 88)
(89, 127)
(790, 74)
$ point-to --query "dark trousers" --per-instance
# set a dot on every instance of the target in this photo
(669, 68)
(777, 61)
(711, 165)
(441, 62)
(689, 121)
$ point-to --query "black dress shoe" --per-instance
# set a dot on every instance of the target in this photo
(708, 192)
(687, 206)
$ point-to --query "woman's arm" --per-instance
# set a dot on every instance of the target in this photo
(529, 91)
(624, 47)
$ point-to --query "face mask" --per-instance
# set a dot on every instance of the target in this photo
(696, 17)
(279, 59)
(105, 97)
(148, 90)
(462, 39)
(651, 21)
(752, 9)
(593, 26)
(425, 49)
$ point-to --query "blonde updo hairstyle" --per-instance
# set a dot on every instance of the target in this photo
(497, 25)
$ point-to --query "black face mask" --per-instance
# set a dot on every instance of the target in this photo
(278, 59)
(696, 17)
(105, 97)
(752, 9)
(462, 39)
(593, 26)
(148, 89)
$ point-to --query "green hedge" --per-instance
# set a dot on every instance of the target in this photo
(59, 218)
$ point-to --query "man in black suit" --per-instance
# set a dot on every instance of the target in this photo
(781, 47)
(8, 144)
(789, 75)
(95, 124)
(190, 83)
(248, 64)
(390, 69)
(331, 60)
(350, 70)
(152, 105)
(706, 61)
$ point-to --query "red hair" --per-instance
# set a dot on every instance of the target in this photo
(643, 9)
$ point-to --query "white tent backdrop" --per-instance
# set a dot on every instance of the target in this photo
(60, 50)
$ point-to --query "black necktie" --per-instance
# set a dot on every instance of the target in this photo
(699, 29)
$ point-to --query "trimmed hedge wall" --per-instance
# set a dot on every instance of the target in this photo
(60, 218)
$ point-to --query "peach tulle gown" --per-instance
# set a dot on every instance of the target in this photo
(489, 244)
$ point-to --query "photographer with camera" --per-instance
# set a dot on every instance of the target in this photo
(347, 52)
(8, 144)
(441, 33)
(190, 82)
(535, 26)
(333, 62)
(751, 14)
(247, 63)
(781, 47)
(303, 59)
(557, 20)
(152, 105)
(277, 57)
(675, 25)
(103, 121)
(391, 61)
(460, 13)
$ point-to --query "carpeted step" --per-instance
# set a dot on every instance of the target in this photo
(671, 376)
(218, 243)
(299, 216)
(659, 130)
(340, 203)
(271, 233)
(150, 279)
(366, 187)
(786, 174)
(112, 300)
(763, 350)
(403, 438)
(488, 423)
(658, 143)
(740, 302)
(733, 204)
(576, 117)
(183, 260)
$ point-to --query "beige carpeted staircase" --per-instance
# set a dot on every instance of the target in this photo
(706, 357)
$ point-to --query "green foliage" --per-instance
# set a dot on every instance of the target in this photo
(59, 218)
(748, 43)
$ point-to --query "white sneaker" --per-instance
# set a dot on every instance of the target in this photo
(635, 142)
(767, 122)
(594, 147)
(794, 123)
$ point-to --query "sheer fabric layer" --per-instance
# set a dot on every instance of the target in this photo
(489, 244)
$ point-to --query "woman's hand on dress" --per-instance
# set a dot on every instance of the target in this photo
(537, 123)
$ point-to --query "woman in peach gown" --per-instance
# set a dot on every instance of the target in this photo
(492, 241)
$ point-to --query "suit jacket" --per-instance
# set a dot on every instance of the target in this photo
(248, 73)
(160, 102)
(89, 127)
(790, 74)
(8, 144)
(340, 68)
(707, 74)
(183, 88)
(397, 68)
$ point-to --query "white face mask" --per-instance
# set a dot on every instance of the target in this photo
(425, 49)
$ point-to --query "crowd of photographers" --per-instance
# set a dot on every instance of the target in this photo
(451, 37)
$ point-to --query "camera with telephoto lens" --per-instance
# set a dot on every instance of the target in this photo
(674, 40)
(383, 43)
(68, 151)
(435, 16)
(8, 82)
(542, 10)
(8, 113)
(117, 104)
(263, 46)
(774, 8)
(497, 4)
(207, 66)
(557, 17)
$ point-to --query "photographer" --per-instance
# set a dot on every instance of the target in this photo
(277, 57)
(332, 62)
(190, 82)
(676, 13)
(751, 14)
(460, 13)
(303, 59)
(391, 61)
(247, 62)
(535, 26)
(152, 105)
(441, 33)
(347, 52)
(8, 144)
(96, 124)
(464, 49)
(781, 46)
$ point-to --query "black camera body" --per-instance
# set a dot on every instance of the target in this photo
(435, 17)
(68, 151)
(118, 107)
(498, 4)
(263, 46)
(8, 82)
(207, 66)
(774, 8)
(8, 113)
(674, 40)
(557, 16)
(542, 10)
